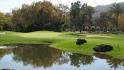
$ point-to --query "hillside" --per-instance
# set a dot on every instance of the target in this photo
(105, 8)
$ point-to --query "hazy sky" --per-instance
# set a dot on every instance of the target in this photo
(8, 5)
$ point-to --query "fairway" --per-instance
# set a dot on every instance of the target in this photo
(39, 34)
(66, 41)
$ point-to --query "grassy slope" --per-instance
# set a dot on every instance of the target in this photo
(66, 41)
(28, 38)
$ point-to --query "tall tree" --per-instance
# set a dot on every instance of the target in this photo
(64, 10)
(5, 20)
(81, 15)
(121, 22)
(89, 11)
(104, 19)
(116, 10)
(74, 13)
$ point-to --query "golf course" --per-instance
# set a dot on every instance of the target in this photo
(66, 41)
(61, 35)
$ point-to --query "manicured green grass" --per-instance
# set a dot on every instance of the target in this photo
(66, 41)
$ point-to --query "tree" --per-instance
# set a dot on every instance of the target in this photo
(74, 14)
(89, 11)
(116, 10)
(121, 22)
(37, 16)
(81, 15)
(5, 20)
(64, 10)
(104, 19)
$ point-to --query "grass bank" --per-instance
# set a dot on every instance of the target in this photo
(66, 41)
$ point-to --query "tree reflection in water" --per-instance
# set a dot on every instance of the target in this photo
(45, 56)
(4, 52)
(78, 59)
(36, 55)
(113, 62)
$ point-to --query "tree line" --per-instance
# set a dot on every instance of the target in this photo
(46, 16)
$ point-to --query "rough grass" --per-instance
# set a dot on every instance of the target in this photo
(66, 41)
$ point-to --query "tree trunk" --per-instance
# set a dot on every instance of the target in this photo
(80, 30)
(116, 22)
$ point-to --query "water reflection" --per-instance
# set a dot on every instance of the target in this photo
(36, 55)
(113, 62)
(78, 59)
(43, 57)
(46, 56)
(4, 52)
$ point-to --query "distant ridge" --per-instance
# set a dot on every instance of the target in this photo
(105, 8)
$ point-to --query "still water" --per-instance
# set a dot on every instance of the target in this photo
(43, 57)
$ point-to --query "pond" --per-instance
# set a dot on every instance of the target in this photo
(43, 57)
